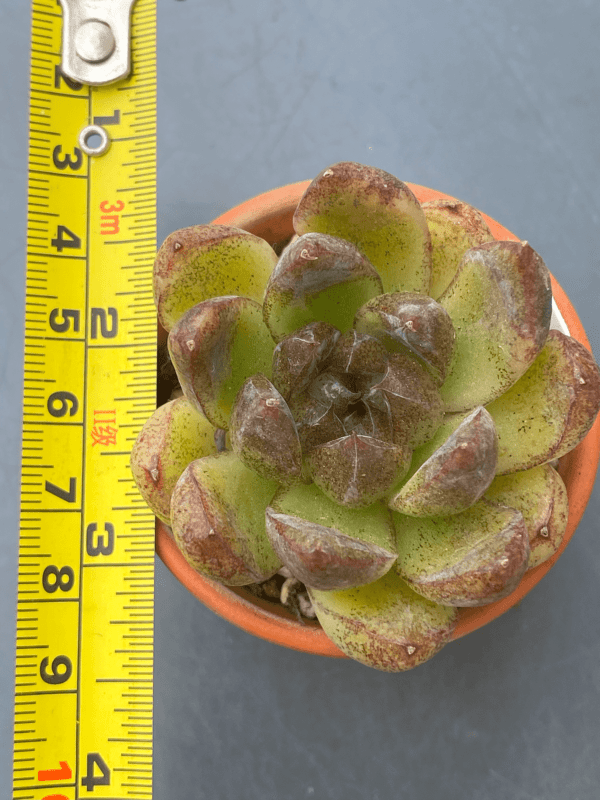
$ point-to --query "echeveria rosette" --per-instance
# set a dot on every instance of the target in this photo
(393, 451)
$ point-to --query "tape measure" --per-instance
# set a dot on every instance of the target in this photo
(84, 651)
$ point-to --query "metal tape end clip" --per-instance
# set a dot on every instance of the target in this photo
(96, 40)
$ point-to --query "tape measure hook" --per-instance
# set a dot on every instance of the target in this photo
(94, 140)
(96, 40)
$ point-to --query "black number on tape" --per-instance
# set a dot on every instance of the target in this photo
(59, 76)
(114, 120)
(65, 238)
(66, 495)
(96, 546)
(55, 578)
(58, 404)
(99, 315)
(73, 163)
(68, 315)
(56, 675)
(90, 780)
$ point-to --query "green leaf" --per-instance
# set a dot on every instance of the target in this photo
(218, 518)
(318, 278)
(384, 624)
(456, 474)
(500, 303)
(214, 347)
(203, 261)
(455, 227)
(468, 559)
(377, 213)
(327, 546)
(173, 436)
(550, 409)
(541, 496)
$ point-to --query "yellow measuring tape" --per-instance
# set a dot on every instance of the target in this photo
(84, 654)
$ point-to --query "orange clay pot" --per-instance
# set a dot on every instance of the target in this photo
(270, 216)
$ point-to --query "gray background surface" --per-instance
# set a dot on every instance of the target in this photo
(495, 103)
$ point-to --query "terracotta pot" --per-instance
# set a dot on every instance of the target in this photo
(270, 216)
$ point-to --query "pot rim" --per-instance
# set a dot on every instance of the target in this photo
(269, 215)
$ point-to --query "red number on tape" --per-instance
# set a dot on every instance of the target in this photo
(64, 773)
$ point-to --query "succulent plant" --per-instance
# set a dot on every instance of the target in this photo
(375, 413)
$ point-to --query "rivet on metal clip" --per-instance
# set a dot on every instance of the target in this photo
(95, 40)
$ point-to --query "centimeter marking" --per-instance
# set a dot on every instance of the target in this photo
(84, 653)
